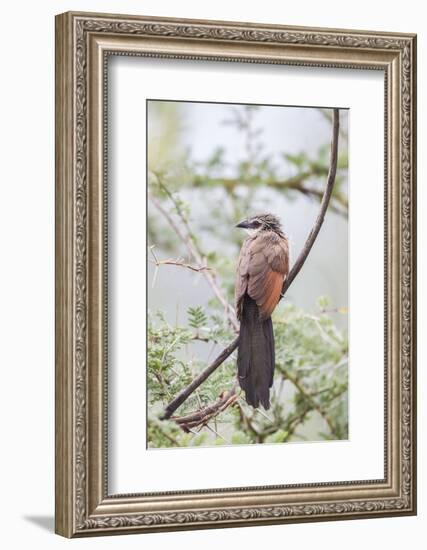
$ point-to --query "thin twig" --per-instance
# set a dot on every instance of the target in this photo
(177, 262)
(265, 415)
(218, 434)
(308, 397)
(182, 264)
(244, 418)
(168, 436)
(187, 391)
(203, 415)
(189, 241)
(339, 201)
(296, 268)
(327, 114)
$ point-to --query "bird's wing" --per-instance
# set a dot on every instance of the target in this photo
(268, 266)
(242, 275)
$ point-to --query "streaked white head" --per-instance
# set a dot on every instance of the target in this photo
(261, 222)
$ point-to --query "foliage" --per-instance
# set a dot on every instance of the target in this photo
(309, 396)
(310, 382)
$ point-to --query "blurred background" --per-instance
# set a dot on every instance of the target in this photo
(209, 166)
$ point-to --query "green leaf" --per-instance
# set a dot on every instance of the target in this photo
(196, 317)
(323, 302)
(279, 437)
(240, 438)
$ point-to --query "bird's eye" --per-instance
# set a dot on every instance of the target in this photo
(257, 224)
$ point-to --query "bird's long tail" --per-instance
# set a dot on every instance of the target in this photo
(255, 357)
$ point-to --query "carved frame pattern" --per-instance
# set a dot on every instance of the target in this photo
(83, 506)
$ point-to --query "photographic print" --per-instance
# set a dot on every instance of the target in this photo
(234, 192)
(235, 274)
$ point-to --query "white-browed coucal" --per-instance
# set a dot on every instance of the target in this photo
(262, 268)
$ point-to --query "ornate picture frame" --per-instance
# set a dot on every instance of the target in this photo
(84, 42)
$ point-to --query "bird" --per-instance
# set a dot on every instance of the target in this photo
(262, 268)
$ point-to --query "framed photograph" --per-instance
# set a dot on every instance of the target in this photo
(235, 274)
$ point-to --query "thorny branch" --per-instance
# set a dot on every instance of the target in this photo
(203, 415)
(181, 263)
(194, 251)
(200, 378)
(203, 375)
(339, 202)
(290, 423)
(177, 262)
(309, 398)
(323, 206)
(299, 182)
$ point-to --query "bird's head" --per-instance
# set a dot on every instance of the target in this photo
(261, 222)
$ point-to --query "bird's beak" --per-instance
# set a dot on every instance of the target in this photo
(244, 224)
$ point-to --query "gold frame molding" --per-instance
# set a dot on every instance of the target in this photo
(83, 43)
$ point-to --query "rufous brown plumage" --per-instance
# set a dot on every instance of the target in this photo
(263, 266)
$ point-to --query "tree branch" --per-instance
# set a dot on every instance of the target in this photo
(202, 416)
(323, 205)
(193, 250)
(202, 376)
(309, 398)
(180, 263)
(339, 202)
